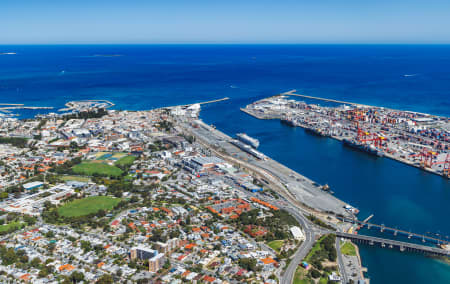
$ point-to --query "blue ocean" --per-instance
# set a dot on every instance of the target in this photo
(140, 77)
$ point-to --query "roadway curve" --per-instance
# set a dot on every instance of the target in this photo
(302, 251)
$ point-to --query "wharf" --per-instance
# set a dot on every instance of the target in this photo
(288, 183)
(268, 114)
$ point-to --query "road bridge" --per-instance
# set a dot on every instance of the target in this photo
(395, 231)
(402, 246)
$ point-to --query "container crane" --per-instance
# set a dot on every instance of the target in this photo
(446, 163)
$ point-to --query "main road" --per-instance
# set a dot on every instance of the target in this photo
(302, 251)
(341, 261)
(210, 138)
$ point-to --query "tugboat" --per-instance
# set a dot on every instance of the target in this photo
(326, 188)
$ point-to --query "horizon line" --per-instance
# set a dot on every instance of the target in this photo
(227, 43)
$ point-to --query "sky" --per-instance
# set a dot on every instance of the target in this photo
(225, 21)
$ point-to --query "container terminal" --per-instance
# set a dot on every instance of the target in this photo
(417, 139)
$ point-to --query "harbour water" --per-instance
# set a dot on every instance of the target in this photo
(145, 77)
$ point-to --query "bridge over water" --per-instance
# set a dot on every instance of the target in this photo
(396, 231)
(402, 246)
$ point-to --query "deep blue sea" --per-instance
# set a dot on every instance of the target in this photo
(144, 77)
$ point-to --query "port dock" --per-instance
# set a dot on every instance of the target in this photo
(285, 181)
(416, 139)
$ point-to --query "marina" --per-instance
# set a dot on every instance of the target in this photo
(87, 105)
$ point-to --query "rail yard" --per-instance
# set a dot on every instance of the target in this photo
(417, 139)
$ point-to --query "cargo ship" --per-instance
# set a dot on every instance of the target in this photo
(318, 132)
(363, 147)
(288, 121)
(248, 140)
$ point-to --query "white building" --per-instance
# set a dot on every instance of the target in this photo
(297, 233)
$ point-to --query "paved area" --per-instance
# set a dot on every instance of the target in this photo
(303, 189)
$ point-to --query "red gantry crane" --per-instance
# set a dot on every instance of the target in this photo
(446, 163)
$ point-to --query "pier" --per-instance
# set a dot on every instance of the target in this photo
(402, 246)
(199, 103)
(207, 102)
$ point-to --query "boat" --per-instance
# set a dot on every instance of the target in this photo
(248, 140)
(351, 209)
(363, 147)
(445, 246)
(318, 131)
(288, 121)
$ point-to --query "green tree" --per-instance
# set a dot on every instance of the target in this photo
(76, 277)
(105, 279)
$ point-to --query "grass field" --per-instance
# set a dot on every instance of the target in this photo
(75, 178)
(125, 161)
(15, 225)
(315, 248)
(89, 168)
(299, 276)
(88, 205)
(276, 245)
(348, 249)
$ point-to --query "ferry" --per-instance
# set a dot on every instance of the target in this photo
(248, 140)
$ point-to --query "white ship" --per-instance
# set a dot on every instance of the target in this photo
(248, 140)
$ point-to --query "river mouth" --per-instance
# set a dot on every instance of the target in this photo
(398, 195)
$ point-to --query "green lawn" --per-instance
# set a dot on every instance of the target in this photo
(14, 225)
(125, 161)
(348, 249)
(315, 248)
(88, 205)
(75, 178)
(299, 276)
(89, 168)
(276, 245)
